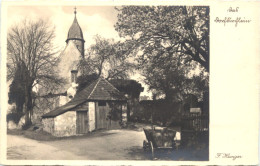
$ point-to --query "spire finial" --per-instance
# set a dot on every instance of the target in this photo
(75, 10)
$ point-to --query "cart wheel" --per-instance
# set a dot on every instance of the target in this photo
(146, 146)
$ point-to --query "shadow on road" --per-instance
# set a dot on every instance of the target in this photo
(165, 154)
(137, 153)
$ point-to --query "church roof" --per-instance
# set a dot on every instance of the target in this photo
(98, 90)
(75, 31)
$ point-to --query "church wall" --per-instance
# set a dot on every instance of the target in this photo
(65, 124)
(80, 45)
(69, 59)
(63, 100)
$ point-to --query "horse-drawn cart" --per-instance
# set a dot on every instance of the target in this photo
(159, 139)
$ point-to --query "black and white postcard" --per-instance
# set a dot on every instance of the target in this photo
(129, 83)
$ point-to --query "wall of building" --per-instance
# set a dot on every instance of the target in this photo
(69, 59)
(65, 124)
(80, 45)
(91, 115)
(48, 125)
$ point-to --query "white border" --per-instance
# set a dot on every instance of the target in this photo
(218, 113)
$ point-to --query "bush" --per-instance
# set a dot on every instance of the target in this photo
(160, 112)
(14, 116)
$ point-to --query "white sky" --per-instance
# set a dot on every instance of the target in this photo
(92, 20)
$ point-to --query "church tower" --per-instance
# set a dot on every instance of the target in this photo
(75, 35)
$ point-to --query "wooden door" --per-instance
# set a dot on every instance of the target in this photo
(82, 122)
(101, 116)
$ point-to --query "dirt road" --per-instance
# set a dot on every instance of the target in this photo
(19, 147)
(110, 145)
(119, 144)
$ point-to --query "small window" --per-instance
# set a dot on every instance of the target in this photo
(74, 75)
(101, 103)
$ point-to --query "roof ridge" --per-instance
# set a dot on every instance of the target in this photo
(94, 88)
(111, 85)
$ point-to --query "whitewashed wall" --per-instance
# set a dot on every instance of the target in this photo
(91, 115)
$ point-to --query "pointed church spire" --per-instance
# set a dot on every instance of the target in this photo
(75, 34)
(75, 11)
(75, 18)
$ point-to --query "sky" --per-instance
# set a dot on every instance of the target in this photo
(93, 20)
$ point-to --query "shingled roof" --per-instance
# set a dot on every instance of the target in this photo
(98, 90)
(75, 31)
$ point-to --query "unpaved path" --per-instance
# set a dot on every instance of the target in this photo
(19, 147)
(111, 145)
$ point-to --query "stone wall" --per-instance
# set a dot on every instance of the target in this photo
(65, 124)
(48, 125)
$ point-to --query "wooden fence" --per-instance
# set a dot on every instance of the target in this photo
(195, 122)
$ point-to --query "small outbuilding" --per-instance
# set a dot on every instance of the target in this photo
(100, 105)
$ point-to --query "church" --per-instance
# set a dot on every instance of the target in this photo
(98, 106)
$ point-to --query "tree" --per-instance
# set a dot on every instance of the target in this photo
(169, 42)
(177, 30)
(105, 58)
(172, 79)
(85, 80)
(16, 93)
(132, 90)
(30, 46)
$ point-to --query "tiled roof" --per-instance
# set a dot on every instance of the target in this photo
(105, 91)
(99, 89)
(75, 31)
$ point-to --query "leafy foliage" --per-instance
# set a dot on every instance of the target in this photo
(17, 88)
(130, 87)
(115, 112)
(14, 116)
(169, 43)
(85, 80)
(177, 30)
(158, 112)
(106, 58)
